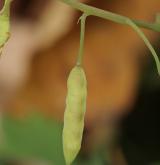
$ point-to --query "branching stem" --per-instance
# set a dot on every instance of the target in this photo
(135, 24)
(109, 15)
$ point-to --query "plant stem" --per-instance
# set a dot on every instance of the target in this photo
(135, 24)
(146, 41)
(82, 20)
(147, 25)
(109, 15)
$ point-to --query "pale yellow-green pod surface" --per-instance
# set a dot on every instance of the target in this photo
(4, 23)
(74, 113)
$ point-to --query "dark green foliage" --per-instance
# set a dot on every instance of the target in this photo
(36, 137)
(33, 137)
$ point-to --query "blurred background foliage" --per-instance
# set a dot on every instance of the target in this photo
(37, 138)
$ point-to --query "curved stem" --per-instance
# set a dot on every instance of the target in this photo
(82, 20)
(135, 24)
(146, 41)
(109, 15)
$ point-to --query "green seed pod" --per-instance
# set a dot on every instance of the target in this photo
(4, 23)
(74, 113)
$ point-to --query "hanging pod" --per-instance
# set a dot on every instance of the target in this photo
(75, 105)
(74, 113)
(5, 23)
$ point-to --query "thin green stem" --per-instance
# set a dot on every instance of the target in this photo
(146, 41)
(82, 20)
(109, 15)
(135, 24)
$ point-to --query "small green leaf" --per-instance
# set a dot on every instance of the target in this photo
(5, 23)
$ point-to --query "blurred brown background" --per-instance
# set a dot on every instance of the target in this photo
(43, 48)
